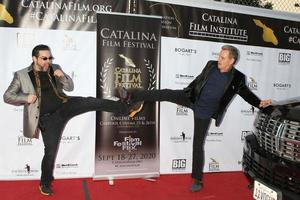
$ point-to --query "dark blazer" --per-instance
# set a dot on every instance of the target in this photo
(235, 85)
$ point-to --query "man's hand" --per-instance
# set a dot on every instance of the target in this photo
(58, 73)
(265, 103)
(31, 98)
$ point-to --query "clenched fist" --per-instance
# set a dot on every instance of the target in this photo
(31, 98)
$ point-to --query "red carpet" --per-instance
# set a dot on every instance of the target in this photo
(217, 186)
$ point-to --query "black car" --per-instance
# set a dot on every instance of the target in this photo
(271, 155)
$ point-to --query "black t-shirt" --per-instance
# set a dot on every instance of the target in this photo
(50, 102)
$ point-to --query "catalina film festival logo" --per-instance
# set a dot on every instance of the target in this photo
(129, 144)
(129, 76)
(123, 70)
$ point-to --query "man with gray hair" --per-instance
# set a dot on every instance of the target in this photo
(208, 95)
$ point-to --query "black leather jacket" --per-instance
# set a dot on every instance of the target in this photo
(235, 85)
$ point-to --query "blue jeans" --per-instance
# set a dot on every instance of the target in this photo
(52, 126)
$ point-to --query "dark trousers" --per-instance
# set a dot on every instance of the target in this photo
(200, 125)
(52, 126)
(200, 131)
(174, 96)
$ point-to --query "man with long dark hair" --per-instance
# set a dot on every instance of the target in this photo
(39, 88)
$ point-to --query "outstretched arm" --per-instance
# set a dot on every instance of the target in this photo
(265, 103)
(250, 97)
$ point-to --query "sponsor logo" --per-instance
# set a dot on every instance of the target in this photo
(253, 53)
(244, 134)
(26, 171)
(129, 144)
(181, 110)
(214, 165)
(218, 27)
(183, 79)
(184, 76)
(67, 165)
(70, 139)
(284, 58)
(179, 164)
(185, 51)
(5, 15)
(249, 112)
(267, 33)
(218, 134)
(254, 56)
(295, 31)
(69, 43)
(282, 86)
(252, 84)
(171, 22)
(182, 138)
(214, 137)
(24, 141)
(26, 40)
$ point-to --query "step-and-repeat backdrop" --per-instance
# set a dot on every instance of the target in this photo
(269, 47)
(192, 33)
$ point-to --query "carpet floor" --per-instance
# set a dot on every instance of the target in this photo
(217, 186)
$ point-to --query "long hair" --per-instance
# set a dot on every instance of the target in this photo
(41, 47)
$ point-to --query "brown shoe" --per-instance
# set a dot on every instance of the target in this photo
(46, 189)
(135, 108)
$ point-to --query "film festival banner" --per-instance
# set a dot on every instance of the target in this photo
(269, 48)
(69, 28)
(223, 26)
(128, 48)
(61, 14)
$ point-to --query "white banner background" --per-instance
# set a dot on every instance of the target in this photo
(76, 154)
(267, 77)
